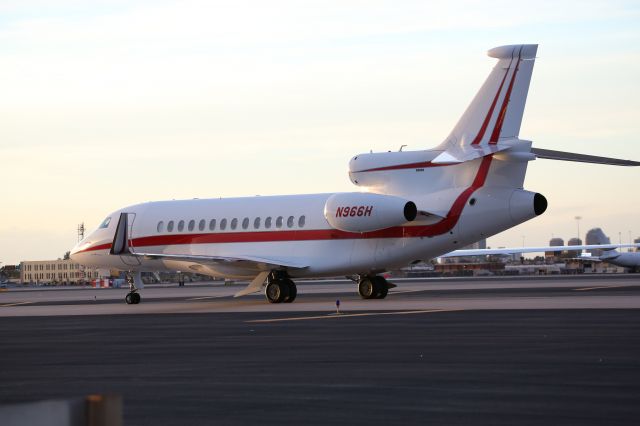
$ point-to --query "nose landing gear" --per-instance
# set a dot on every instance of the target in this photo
(133, 297)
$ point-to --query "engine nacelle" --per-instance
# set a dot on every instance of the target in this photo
(365, 212)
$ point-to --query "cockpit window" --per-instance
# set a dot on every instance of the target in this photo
(105, 223)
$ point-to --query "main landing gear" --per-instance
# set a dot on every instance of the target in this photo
(373, 287)
(133, 297)
(280, 288)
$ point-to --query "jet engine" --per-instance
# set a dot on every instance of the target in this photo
(365, 212)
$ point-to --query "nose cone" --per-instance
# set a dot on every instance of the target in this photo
(73, 254)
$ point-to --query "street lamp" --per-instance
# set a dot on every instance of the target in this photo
(578, 218)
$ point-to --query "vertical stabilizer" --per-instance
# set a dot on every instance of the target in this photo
(495, 114)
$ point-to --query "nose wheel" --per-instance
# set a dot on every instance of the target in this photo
(132, 298)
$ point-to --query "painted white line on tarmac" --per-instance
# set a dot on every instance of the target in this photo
(362, 314)
(14, 304)
(408, 291)
(208, 297)
(601, 287)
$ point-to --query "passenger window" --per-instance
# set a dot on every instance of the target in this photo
(223, 224)
(245, 223)
(256, 223)
(201, 224)
(192, 224)
(105, 223)
(181, 226)
(234, 223)
(170, 226)
(267, 222)
(160, 226)
(290, 222)
(212, 225)
(279, 222)
(301, 221)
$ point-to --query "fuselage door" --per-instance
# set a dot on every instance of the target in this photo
(127, 259)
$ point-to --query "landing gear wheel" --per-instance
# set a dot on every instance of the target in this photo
(293, 291)
(382, 289)
(366, 288)
(277, 291)
(132, 298)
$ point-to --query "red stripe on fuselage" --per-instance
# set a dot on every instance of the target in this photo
(94, 248)
(444, 226)
(420, 165)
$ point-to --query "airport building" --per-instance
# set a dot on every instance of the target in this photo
(554, 242)
(58, 272)
(596, 236)
(574, 242)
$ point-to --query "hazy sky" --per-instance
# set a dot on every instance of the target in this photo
(110, 103)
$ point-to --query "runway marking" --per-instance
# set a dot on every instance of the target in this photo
(207, 297)
(602, 287)
(361, 314)
(408, 291)
(6, 305)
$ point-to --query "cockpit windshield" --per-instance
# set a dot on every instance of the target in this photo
(105, 223)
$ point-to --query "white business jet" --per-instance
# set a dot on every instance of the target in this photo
(409, 206)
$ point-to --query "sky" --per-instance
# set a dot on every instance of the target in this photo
(111, 103)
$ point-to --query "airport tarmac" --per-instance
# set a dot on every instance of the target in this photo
(613, 291)
(493, 351)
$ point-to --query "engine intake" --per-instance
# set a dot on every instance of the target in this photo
(366, 212)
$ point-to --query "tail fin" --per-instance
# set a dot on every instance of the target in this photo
(495, 114)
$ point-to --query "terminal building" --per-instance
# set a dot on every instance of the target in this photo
(61, 271)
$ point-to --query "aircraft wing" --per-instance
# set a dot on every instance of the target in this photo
(515, 250)
(263, 265)
(259, 262)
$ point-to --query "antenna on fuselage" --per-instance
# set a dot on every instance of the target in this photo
(401, 146)
(81, 232)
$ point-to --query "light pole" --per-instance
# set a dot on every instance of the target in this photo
(578, 218)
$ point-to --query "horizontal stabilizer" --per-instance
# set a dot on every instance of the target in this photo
(462, 153)
(549, 154)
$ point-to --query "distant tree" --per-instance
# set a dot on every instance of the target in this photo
(67, 255)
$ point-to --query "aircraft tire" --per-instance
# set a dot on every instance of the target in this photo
(277, 291)
(293, 291)
(366, 288)
(128, 299)
(135, 298)
(382, 289)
